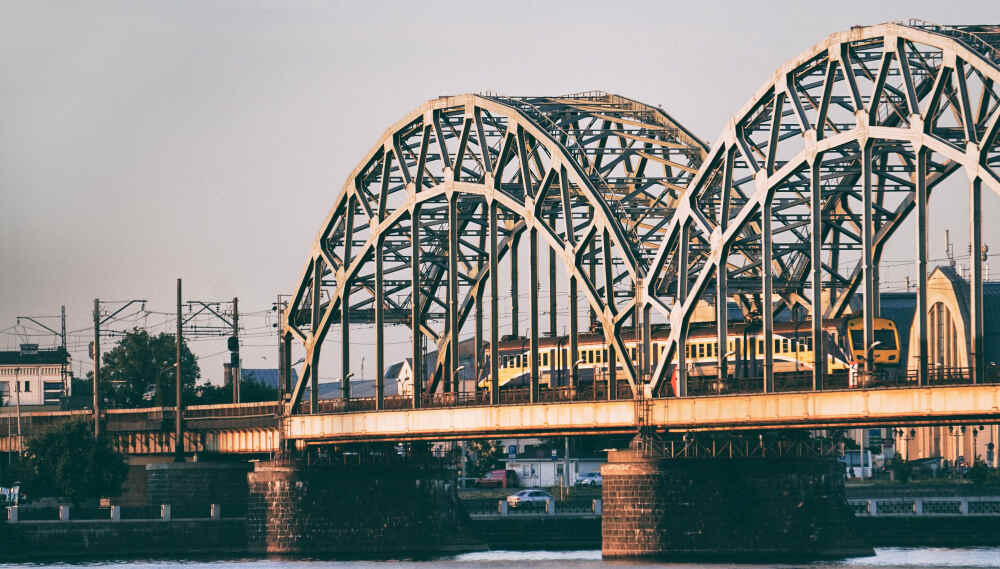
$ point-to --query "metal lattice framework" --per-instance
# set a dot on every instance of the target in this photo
(824, 163)
(418, 231)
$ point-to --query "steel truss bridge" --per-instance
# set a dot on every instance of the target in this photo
(792, 206)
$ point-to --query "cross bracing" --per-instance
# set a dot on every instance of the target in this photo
(640, 217)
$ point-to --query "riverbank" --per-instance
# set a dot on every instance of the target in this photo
(36, 540)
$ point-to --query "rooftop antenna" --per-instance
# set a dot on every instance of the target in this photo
(949, 248)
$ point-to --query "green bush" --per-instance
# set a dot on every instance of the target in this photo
(69, 462)
(902, 470)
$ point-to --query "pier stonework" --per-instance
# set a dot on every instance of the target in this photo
(189, 487)
(726, 509)
(354, 510)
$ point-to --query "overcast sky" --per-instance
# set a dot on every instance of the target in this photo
(145, 141)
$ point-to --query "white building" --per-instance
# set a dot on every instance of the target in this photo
(544, 473)
(37, 377)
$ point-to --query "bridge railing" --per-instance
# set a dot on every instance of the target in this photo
(934, 506)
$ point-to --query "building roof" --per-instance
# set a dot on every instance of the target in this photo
(265, 376)
(359, 388)
(39, 357)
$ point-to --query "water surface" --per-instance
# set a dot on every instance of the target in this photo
(885, 558)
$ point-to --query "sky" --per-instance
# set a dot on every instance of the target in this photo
(145, 141)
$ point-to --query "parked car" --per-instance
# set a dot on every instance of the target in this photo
(497, 479)
(526, 498)
(590, 479)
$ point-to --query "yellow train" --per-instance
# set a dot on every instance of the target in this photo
(792, 352)
(885, 344)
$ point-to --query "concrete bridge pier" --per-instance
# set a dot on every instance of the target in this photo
(383, 510)
(726, 509)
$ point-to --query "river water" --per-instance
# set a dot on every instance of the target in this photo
(885, 558)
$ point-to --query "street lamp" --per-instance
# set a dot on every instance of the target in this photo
(458, 382)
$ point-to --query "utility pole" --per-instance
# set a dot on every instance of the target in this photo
(17, 388)
(37, 321)
(234, 361)
(279, 309)
(96, 355)
(67, 385)
(97, 368)
(178, 403)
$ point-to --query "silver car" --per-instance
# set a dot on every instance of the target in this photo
(528, 498)
(590, 479)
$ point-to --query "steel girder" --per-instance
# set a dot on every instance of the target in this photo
(418, 230)
(799, 195)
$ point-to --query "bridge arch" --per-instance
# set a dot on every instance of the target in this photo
(823, 164)
(419, 228)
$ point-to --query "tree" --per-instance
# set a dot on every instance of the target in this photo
(69, 462)
(482, 456)
(139, 362)
(252, 390)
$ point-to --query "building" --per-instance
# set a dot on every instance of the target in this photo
(547, 472)
(401, 373)
(36, 376)
(948, 349)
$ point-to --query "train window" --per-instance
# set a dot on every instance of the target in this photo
(545, 358)
(777, 345)
(590, 356)
(715, 349)
(887, 339)
(701, 350)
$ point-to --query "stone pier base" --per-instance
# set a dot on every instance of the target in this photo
(354, 510)
(739, 509)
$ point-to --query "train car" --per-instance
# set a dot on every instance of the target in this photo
(792, 353)
(884, 349)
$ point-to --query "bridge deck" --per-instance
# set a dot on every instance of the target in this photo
(869, 407)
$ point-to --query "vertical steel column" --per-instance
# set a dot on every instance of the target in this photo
(287, 340)
(418, 360)
(722, 272)
(767, 291)
(379, 323)
(976, 281)
(682, 291)
(533, 294)
(552, 287)
(922, 354)
(722, 316)
(515, 242)
(345, 340)
(494, 309)
(451, 376)
(609, 296)
(612, 373)
(574, 346)
(816, 252)
(868, 243)
(593, 276)
(315, 347)
(477, 362)
(647, 346)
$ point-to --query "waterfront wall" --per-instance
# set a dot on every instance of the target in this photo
(107, 539)
(354, 510)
